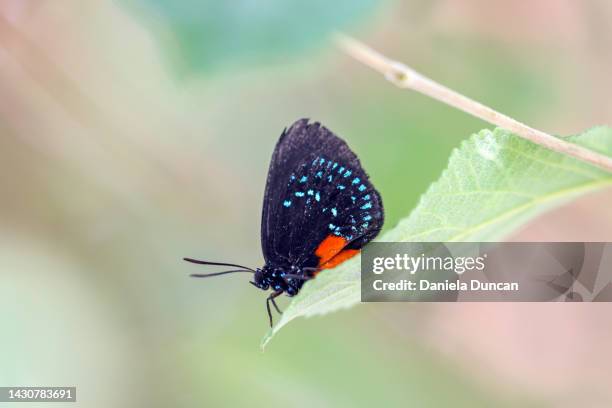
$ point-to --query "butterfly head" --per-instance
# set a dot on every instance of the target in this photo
(280, 279)
(286, 280)
(260, 279)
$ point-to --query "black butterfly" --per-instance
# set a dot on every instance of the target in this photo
(319, 209)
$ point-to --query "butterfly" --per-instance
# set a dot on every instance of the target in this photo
(319, 209)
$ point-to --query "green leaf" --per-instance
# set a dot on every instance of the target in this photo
(494, 183)
(209, 34)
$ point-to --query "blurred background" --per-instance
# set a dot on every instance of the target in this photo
(136, 132)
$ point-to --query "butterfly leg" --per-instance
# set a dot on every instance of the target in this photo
(300, 277)
(276, 306)
(271, 299)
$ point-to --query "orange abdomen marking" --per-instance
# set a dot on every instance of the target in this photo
(329, 248)
(331, 252)
(339, 258)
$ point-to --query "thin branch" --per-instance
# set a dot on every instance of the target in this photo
(405, 77)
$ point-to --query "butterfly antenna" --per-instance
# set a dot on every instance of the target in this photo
(199, 262)
(208, 275)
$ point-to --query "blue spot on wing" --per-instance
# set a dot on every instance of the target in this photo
(350, 219)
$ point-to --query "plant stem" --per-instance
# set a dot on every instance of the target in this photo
(406, 77)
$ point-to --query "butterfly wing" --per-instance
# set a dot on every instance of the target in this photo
(319, 203)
